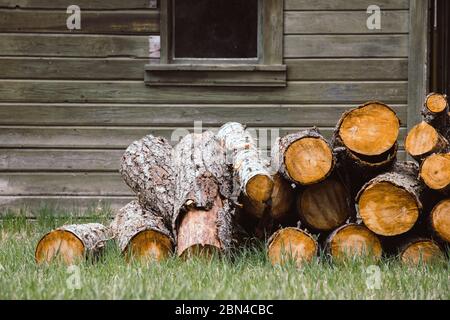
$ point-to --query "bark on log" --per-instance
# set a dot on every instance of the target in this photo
(435, 172)
(365, 141)
(303, 157)
(250, 171)
(291, 244)
(391, 203)
(424, 140)
(326, 205)
(141, 233)
(353, 240)
(440, 220)
(71, 243)
(436, 113)
(204, 215)
(282, 199)
(147, 169)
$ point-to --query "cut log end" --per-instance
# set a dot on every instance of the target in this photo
(200, 251)
(198, 228)
(387, 209)
(440, 219)
(354, 241)
(421, 140)
(436, 102)
(435, 171)
(149, 245)
(309, 160)
(60, 244)
(259, 188)
(291, 244)
(370, 130)
(422, 251)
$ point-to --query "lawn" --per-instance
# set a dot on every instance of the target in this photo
(246, 275)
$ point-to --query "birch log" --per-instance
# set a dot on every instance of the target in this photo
(204, 215)
(251, 174)
(390, 204)
(71, 243)
(142, 233)
(303, 157)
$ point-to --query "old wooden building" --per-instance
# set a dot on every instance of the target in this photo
(72, 99)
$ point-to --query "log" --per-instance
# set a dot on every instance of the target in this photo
(353, 240)
(435, 172)
(390, 203)
(282, 199)
(325, 206)
(291, 244)
(147, 169)
(204, 215)
(250, 171)
(435, 112)
(365, 141)
(72, 243)
(417, 251)
(423, 140)
(440, 220)
(304, 157)
(141, 233)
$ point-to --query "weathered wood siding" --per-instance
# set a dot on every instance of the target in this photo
(71, 101)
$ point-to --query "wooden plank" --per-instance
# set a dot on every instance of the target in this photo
(136, 91)
(174, 115)
(74, 45)
(63, 184)
(61, 206)
(59, 160)
(84, 4)
(97, 22)
(272, 31)
(118, 137)
(133, 69)
(418, 60)
(344, 4)
(304, 46)
(347, 69)
(295, 46)
(346, 22)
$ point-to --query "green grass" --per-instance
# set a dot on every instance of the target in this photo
(247, 275)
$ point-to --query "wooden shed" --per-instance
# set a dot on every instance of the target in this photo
(72, 99)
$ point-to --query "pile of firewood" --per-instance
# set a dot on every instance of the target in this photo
(213, 192)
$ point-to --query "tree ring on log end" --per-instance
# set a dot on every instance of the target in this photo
(60, 244)
(354, 240)
(422, 139)
(436, 102)
(435, 171)
(440, 219)
(387, 209)
(309, 160)
(200, 251)
(259, 188)
(370, 130)
(421, 251)
(324, 206)
(149, 245)
(291, 244)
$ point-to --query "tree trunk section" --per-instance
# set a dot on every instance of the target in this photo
(291, 244)
(440, 220)
(417, 251)
(141, 233)
(72, 243)
(353, 240)
(304, 157)
(423, 140)
(250, 171)
(436, 113)
(390, 204)
(435, 172)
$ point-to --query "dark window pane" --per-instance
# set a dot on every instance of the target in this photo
(216, 28)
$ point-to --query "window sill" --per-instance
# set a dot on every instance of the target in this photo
(218, 75)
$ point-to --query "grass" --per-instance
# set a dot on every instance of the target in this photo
(247, 275)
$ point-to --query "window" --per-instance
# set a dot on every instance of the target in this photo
(220, 43)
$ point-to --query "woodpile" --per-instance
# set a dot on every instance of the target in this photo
(348, 197)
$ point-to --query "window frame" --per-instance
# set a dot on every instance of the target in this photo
(265, 70)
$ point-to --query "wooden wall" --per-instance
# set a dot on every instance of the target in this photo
(70, 102)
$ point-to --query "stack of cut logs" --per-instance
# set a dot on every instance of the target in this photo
(345, 197)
